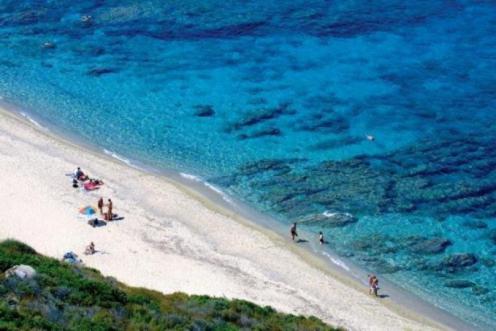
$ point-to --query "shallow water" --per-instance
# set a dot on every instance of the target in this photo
(273, 103)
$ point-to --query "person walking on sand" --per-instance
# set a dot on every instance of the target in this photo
(100, 205)
(293, 231)
(321, 238)
(109, 213)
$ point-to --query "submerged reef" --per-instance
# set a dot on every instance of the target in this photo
(446, 179)
(448, 176)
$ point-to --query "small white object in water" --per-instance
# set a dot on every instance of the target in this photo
(49, 45)
(370, 137)
(86, 18)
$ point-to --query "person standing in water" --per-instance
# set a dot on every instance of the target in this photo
(110, 207)
(375, 286)
(293, 231)
(321, 238)
(100, 205)
(371, 281)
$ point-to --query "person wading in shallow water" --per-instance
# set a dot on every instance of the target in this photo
(321, 238)
(293, 231)
(373, 285)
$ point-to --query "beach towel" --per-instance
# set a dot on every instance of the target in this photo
(91, 186)
(87, 210)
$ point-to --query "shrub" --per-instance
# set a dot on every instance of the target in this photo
(66, 297)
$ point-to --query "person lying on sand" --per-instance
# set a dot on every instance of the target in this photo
(293, 231)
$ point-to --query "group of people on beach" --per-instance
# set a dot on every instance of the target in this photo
(373, 280)
(294, 234)
(107, 215)
(80, 178)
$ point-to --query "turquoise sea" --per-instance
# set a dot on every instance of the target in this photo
(372, 121)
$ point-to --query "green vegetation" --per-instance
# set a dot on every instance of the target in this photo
(67, 297)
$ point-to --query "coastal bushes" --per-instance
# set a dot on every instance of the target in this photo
(67, 297)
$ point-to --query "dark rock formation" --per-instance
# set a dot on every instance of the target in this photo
(475, 224)
(262, 133)
(430, 246)
(259, 116)
(459, 284)
(492, 236)
(96, 72)
(457, 262)
(330, 219)
(204, 111)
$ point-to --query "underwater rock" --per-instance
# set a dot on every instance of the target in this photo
(328, 219)
(488, 262)
(261, 133)
(430, 246)
(330, 123)
(259, 116)
(456, 262)
(257, 101)
(96, 72)
(386, 267)
(265, 165)
(492, 236)
(459, 284)
(475, 224)
(479, 290)
(204, 111)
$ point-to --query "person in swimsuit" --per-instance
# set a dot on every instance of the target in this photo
(371, 283)
(375, 286)
(293, 231)
(100, 205)
(109, 213)
(321, 238)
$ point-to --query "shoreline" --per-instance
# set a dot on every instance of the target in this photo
(402, 317)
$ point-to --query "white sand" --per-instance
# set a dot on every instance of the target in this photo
(170, 240)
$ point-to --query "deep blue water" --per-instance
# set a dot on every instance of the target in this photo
(273, 102)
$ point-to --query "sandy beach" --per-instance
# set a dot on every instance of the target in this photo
(171, 239)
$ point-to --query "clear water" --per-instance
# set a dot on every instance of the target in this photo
(214, 87)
